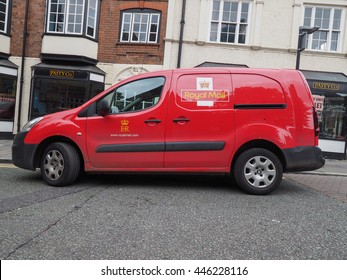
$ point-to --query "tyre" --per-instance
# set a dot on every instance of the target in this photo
(60, 164)
(258, 171)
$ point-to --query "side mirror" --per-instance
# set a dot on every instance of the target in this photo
(104, 108)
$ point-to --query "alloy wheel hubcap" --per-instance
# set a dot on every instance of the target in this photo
(53, 165)
(260, 172)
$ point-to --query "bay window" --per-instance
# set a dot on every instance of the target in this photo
(4, 16)
(73, 17)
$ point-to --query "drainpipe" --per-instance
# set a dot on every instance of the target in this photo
(25, 34)
(180, 44)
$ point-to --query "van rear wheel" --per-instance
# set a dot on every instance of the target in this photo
(60, 164)
(258, 171)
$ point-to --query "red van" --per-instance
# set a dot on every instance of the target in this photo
(254, 124)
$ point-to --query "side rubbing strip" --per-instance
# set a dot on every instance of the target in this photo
(127, 148)
(161, 147)
(260, 106)
(194, 146)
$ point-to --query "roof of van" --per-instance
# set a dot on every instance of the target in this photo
(215, 70)
(241, 70)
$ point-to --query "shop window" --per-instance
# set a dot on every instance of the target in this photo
(330, 23)
(7, 97)
(135, 96)
(54, 95)
(73, 17)
(140, 26)
(230, 21)
(333, 118)
(4, 15)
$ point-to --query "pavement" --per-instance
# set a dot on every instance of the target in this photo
(331, 179)
(5, 151)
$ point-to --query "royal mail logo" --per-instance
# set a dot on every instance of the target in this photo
(208, 95)
(124, 126)
(124, 122)
(204, 83)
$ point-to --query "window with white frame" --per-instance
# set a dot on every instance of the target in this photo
(91, 18)
(73, 17)
(330, 22)
(140, 26)
(4, 12)
(230, 21)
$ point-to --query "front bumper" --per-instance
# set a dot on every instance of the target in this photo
(23, 155)
(303, 159)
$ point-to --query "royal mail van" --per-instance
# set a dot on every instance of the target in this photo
(253, 124)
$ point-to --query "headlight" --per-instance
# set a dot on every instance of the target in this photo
(29, 125)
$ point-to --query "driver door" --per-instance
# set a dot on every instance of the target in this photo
(131, 135)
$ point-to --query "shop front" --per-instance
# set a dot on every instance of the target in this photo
(56, 88)
(8, 81)
(329, 92)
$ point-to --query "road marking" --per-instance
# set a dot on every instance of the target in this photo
(7, 165)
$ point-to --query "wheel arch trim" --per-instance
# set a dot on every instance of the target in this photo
(264, 144)
(53, 139)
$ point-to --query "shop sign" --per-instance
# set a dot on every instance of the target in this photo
(319, 106)
(326, 86)
(318, 102)
(61, 73)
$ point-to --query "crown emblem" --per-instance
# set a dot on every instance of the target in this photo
(124, 122)
(204, 84)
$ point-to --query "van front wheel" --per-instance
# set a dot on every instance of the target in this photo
(60, 164)
(258, 171)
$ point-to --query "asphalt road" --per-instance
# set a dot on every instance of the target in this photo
(165, 217)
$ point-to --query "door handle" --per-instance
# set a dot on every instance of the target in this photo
(180, 120)
(153, 121)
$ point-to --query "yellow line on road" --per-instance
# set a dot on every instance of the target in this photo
(7, 165)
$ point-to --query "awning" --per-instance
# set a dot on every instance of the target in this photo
(326, 82)
(87, 68)
(67, 71)
(8, 68)
(325, 76)
(217, 64)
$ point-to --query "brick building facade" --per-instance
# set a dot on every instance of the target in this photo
(73, 50)
(36, 21)
(129, 53)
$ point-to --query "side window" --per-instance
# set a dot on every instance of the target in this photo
(134, 96)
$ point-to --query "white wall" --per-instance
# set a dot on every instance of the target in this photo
(72, 46)
(117, 72)
(5, 44)
(29, 62)
(272, 43)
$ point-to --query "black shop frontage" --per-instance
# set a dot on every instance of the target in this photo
(8, 82)
(60, 87)
(329, 92)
